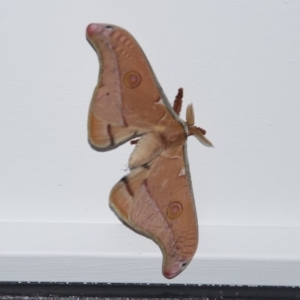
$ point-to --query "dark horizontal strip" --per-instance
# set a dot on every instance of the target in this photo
(147, 290)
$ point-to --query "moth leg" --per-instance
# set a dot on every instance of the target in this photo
(199, 133)
(190, 116)
(178, 101)
(134, 142)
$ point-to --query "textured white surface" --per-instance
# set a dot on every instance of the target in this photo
(239, 63)
(87, 253)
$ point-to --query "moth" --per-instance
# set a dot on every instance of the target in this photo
(156, 198)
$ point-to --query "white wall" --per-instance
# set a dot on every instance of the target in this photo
(239, 63)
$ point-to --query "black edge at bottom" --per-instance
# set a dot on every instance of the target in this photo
(147, 290)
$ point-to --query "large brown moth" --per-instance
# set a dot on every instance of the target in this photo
(156, 197)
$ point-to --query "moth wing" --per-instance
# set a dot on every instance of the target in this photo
(128, 100)
(157, 201)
